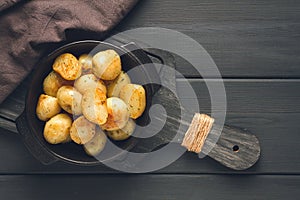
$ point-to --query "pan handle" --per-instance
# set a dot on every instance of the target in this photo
(34, 147)
(144, 54)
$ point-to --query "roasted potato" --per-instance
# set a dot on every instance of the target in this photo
(47, 107)
(86, 63)
(53, 82)
(69, 99)
(94, 106)
(67, 66)
(107, 64)
(135, 97)
(102, 98)
(82, 130)
(118, 114)
(57, 129)
(96, 144)
(114, 87)
(89, 82)
(124, 133)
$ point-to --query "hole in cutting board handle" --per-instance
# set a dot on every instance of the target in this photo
(236, 148)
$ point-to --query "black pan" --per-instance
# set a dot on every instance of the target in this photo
(31, 128)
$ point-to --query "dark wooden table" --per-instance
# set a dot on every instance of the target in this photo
(256, 45)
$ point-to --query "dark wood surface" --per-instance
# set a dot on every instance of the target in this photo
(149, 187)
(236, 148)
(255, 45)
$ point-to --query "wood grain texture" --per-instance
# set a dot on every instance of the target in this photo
(232, 147)
(149, 187)
(270, 128)
(245, 38)
(243, 95)
(235, 148)
(267, 108)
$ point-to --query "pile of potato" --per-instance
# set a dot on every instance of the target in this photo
(96, 93)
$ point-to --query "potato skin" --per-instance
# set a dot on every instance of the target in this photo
(47, 107)
(96, 144)
(67, 66)
(94, 106)
(124, 133)
(82, 130)
(114, 87)
(69, 99)
(134, 96)
(53, 82)
(86, 63)
(89, 82)
(118, 114)
(57, 129)
(107, 64)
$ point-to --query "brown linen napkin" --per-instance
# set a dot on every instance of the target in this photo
(28, 28)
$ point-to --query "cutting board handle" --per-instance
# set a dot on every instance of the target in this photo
(236, 148)
(233, 147)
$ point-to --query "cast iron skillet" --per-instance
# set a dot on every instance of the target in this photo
(31, 128)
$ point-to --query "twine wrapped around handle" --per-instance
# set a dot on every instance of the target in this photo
(197, 132)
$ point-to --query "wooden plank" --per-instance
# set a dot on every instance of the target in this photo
(278, 134)
(245, 38)
(265, 107)
(235, 148)
(8, 125)
(149, 187)
(243, 95)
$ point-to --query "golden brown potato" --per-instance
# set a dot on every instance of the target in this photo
(118, 114)
(94, 106)
(86, 63)
(67, 66)
(135, 97)
(89, 82)
(124, 133)
(53, 82)
(114, 87)
(107, 64)
(57, 129)
(69, 99)
(82, 130)
(47, 107)
(96, 144)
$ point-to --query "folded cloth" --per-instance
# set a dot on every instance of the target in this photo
(27, 28)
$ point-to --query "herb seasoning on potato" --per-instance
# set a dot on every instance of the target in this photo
(135, 97)
(69, 99)
(94, 106)
(107, 65)
(118, 114)
(67, 66)
(57, 129)
(53, 82)
(86, 63)
(82, 130)
(96, 144)
(124, 133)
(98, 93)
(115, 86)
(89, 82)
(47, 107)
